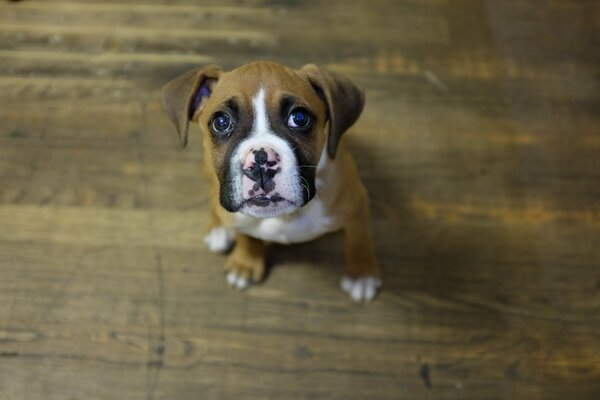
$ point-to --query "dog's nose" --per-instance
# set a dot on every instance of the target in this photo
(260, 167)
(263, 157)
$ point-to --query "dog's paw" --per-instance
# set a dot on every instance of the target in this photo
(241, 273)
(361, 289)
(239, 278)
(219, 239)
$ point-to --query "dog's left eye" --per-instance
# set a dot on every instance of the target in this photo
(299, 119)
(222, 124)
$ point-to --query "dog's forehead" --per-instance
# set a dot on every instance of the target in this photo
(275, 80)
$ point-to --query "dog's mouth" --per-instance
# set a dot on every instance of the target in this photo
(266, 206)
(264, 200)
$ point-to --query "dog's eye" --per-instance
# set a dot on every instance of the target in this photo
(299, 119)
(222, 124)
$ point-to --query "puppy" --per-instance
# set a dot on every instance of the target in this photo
(273, 154)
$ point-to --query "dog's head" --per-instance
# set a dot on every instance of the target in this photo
(264, 129)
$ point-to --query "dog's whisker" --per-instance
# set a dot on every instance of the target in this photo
(306, 185)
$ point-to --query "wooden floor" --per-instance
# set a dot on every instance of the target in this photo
(479, 144)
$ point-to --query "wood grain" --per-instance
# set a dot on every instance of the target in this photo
(479, 146)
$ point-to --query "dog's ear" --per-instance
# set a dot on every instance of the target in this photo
(187, 94)
(344, 100)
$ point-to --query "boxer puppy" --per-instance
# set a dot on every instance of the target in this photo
(273, 154)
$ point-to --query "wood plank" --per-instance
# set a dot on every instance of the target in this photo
(478, 146)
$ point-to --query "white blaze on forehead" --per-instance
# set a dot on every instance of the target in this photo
(261, 118)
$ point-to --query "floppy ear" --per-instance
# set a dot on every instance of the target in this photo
(185, 95)
(344, 100)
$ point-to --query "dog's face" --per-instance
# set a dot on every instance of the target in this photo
(264, 129)
(263, 124)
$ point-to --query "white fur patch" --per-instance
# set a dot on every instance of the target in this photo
(261, 117)
(307, 223)
(219, 239)
(361, 289)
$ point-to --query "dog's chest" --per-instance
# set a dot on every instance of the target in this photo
(308, 223)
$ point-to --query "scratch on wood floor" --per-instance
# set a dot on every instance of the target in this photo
(156, 352)
(435, 81)
(424, 373)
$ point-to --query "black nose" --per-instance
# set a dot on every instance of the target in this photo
(261, 157)
(261, 172)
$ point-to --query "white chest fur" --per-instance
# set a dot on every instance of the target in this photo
(309, 222)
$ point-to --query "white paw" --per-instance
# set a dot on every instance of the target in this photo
(219, 239)
(237, 281)
(361, 289)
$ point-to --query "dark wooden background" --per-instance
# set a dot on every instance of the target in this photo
(479, 145)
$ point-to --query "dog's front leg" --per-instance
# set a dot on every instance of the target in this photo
(219, 238)
(363, 276)
(246, 263)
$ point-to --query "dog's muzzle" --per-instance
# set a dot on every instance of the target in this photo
(268, 180)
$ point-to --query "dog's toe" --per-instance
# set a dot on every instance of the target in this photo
(361, 289)
(219, 239)
(238, 279)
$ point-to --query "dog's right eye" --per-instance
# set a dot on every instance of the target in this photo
(222, 124)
